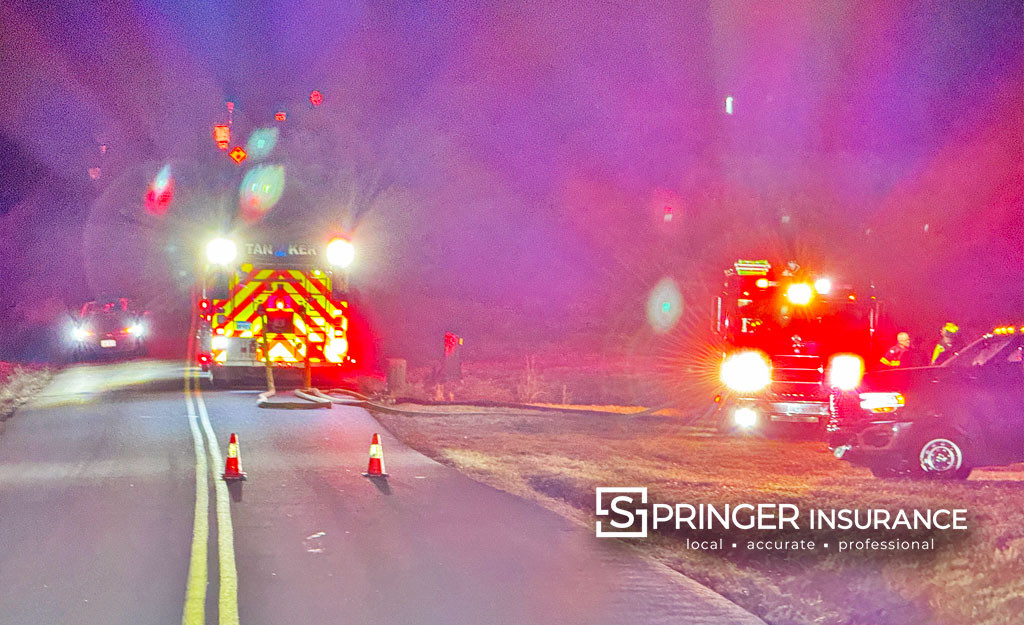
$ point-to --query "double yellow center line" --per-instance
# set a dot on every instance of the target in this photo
(194, 612)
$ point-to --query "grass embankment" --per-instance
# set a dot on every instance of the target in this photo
(17, 384)
(558, 460)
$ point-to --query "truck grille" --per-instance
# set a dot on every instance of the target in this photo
(797, 376)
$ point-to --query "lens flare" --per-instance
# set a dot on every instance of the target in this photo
(160, 192)
(664, 306)
(260, 191)
(261, 143)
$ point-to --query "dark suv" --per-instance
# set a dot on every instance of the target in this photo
(937, 421)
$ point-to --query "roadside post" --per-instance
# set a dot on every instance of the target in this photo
(396, 376)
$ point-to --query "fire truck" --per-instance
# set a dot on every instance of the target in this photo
(272, 303)
(789, 335)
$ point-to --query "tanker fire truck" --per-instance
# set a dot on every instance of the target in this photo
(789, 335)
(281, 304)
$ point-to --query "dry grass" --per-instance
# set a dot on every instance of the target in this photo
(558, 460)
(545, 378)
(18, 384)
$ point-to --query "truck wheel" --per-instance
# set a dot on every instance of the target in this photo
(941, 454)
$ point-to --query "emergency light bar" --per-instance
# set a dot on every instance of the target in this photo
(752, 267)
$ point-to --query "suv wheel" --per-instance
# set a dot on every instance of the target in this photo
(941, 455)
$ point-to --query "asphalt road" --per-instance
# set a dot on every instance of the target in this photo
(101, 477)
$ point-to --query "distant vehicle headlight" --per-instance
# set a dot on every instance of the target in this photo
(881, 402)
(845, 371)
(221, 251)
(746, 372)
(340, 252)
(80, 334)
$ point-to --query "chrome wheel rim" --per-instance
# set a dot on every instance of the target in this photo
(941, 455)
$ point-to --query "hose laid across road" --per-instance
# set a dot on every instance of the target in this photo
(312, 398)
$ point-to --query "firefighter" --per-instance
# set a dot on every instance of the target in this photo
(944, 348)
(899, 354)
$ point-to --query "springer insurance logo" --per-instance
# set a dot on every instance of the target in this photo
(620, 505)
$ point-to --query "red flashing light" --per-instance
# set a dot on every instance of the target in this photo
(204, 305)
(280, 116)
(222, 136)
(315, 98)
(230, 105)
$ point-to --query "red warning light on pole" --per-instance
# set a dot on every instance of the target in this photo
(222, 135)
(668, 213)
(316, 98)
(238, 154)
(280, 116)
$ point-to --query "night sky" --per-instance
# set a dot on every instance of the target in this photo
(518, 159)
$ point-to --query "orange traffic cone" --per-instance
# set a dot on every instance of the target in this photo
(232, 466)
(376, 468)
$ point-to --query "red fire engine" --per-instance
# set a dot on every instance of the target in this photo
(789, 336)
(278, 304)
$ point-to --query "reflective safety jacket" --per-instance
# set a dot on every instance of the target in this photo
(940, 353)
(895, 356)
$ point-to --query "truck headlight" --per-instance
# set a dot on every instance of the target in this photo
(845, 371)
(221, 251)
(746, 372)
(135, 329)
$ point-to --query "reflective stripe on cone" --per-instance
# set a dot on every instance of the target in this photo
(376, 466)
(232, 465)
